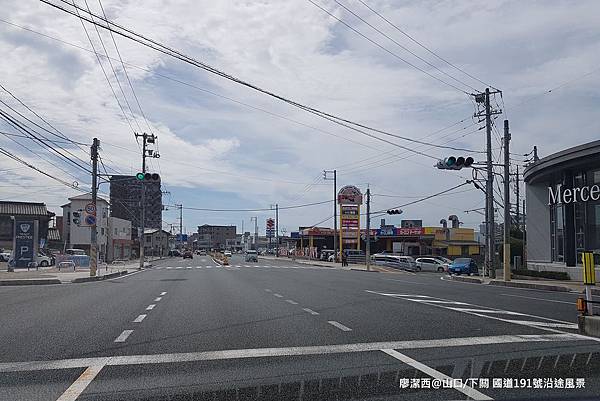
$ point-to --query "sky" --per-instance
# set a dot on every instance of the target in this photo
(226, 146)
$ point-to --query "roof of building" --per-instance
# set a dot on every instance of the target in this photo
(154, 230)
(53, 234)
(23, 209)
(567, 158)
(87, 196)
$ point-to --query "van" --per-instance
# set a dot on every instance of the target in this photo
(402, 262)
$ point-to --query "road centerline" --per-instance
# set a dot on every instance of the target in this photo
(139, 318)
(339, 325)
(123, 336)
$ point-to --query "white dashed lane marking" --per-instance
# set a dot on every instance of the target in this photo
(123, 336)
(312, 312)
(278, 295)
(339, 325)
(139, 318)
(163, 293)
(289, 301)
(268, 290)
(150, 307)
(157, 299)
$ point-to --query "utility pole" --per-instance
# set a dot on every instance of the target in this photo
(535, 155)
(489, 185)
(335, 244)
(518, 201)
(368, 244)
(180, 207)
(146, 139)
(94, 227)
(256, 233)
(277, 229)
(506, 253)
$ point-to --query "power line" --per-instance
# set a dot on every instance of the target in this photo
(425, 47)
(356, 31)
(404, 47)
(253, 210)
(138, 38)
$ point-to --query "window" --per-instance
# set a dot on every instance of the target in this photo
(102, 231)
(116, 231)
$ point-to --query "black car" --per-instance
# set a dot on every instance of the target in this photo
(188, 254)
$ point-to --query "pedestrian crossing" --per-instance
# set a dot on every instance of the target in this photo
(506, 316)
(239, 267)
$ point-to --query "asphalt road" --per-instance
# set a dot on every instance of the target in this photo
(278, 330)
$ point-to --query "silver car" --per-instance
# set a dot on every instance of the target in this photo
(251, 256)
(431, 264)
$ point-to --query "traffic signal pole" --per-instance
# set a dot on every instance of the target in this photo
(146, 138)
(368, 244)
(506, 253)
(94, 227)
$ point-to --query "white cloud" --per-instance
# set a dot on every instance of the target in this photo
(228, 152)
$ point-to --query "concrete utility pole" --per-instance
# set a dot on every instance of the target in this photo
(335, 244)
(146, 139)
(277, 229)
(518, 201)
(489, 184)
(180, 207)
(368, 244)
(255, 232)
(506, 253)
(94, 227)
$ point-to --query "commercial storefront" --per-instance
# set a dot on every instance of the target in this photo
(563, 209)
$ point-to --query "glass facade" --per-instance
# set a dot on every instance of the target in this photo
(585, 221)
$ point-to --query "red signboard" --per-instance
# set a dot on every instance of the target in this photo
(270, 223)
(410, 231)
(349, 223)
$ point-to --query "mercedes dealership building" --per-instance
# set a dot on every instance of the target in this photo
(563, 209)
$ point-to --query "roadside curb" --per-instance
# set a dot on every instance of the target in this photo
(530, 285)
(514, 284)
(368, 271)
(32, 281)
(99, 278)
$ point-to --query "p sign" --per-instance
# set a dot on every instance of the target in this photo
(24, 242)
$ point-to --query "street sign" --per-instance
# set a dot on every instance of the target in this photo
(90, 208)
(90, 220)
(589, 274)
(24, 242)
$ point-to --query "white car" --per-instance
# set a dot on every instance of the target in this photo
(431, 264)
(4, 256)
(227, 253)
(41, 260)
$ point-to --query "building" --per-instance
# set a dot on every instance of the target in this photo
(125, 202)
(156, 242)
(563, 209)
(25, 210)
(218, 235)
(119, 239)
(78, 235)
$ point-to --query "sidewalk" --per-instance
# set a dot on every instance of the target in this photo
(51, 275)
(548, 285)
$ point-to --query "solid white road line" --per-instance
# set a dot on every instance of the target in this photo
(544, 324)
(289, 301)
(468, 391)
(157, 299)
(540, 299)
(290, 351)
(123, 336)
(278, 295)
(81, 383)
(435, 301)
(150, 307)
(503, 312)
(339, 325)
(139, 318)
(312, 312)
(163, 293)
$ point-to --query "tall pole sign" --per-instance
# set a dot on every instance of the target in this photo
(349, 198)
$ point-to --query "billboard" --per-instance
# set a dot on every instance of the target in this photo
(24, 241)
(349, 195)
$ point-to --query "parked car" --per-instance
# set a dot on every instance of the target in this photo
(463, 266)
(405, 263)
(188, 255)
(74, 251)
(383, 255)
(227, 253)
(443, 259)
(40, 259)
(4, 255)
(326, 253)
(251, 256)
(431, 264)
(174, 252)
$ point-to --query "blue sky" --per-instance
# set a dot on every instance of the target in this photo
(235, 148)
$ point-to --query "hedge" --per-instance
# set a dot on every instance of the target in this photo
(544, 274)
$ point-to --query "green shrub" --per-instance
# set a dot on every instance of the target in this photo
(543, 274)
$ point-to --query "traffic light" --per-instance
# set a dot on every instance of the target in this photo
(454, 163)
(76, 217)
(394, 211)
(147, 177)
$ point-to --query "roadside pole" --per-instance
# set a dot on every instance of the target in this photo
(589, 278)
(506, 253)
(277, 230)
(368, 244)
(94, 227)
(143, 205)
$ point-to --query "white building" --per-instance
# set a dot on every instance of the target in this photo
(79, 235)
(119, 239)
